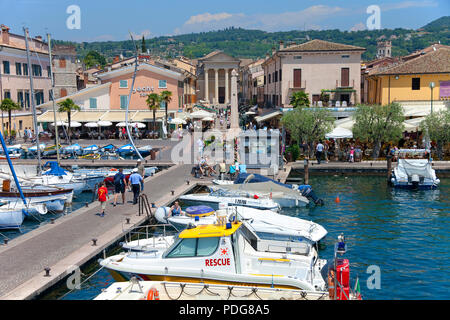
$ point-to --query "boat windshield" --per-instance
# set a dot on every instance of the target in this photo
(413, 153)
(193, 247)
(279, 237)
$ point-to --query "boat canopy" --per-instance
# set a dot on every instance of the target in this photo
(73, 147)
(126, 147)
(211, 230)
(199, 211)
(260, 178)
(55, 169)
(91, 148)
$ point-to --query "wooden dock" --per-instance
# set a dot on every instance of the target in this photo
(68, 242)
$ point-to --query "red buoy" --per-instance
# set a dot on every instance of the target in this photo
(337, 200)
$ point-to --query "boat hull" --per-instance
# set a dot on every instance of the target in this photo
(11, 219)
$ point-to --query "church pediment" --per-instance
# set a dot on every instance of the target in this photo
(218, 56)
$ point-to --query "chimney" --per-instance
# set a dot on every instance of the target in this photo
(281, 45)
(5, 34)
(273, 50)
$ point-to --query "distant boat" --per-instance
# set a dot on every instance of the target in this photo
(128, 150)
(72, 149)
(90, 149)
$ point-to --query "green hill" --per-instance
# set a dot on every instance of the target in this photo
(255, 43)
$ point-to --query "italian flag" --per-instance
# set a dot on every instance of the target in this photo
(357, 289)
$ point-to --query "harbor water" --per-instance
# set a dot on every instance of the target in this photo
(403, 234)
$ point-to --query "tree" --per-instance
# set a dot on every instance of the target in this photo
(8, 105)
(68, 106)
(437, 125)
(166, 97)
(308, 125)
(300, 99)
(377, 124)
(93, 58)
(144, 49)
(153, 102)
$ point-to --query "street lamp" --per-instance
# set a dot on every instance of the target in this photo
(431, 87)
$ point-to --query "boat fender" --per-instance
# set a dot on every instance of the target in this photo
(152, 294)
(161, 214)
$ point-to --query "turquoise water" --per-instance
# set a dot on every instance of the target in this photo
(405, 233)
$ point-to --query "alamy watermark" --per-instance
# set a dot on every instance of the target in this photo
(374, 20)
(74, 19)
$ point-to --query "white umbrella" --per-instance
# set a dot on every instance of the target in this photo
(122, 124)
(200, 114)
(249, 113)
(91, 125)
(138, 124)
(74, 124)
(104, 123)
(207, 119)
(339, 133)
(59, 123)
(177, 121)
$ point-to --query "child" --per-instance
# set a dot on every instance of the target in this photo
(102, 195)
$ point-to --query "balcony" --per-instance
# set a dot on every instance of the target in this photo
(349, 85)
(294, 86)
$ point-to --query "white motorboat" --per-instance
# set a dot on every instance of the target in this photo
(13, 213)
(213, 199)
(168, 290)
(414, 170)
(225, 254)
(262, 221)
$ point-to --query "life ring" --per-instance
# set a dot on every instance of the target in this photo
(152, 294)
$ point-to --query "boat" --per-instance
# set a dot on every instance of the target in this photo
(89, 150)
(128, 150)
(167, 290)
(263, 221)
(50, 151)
(230, 253)
(74, 149)
(145, 150)
(288, 195)
(414, 170)
(14, 152)
(12, 213)
(214, 198)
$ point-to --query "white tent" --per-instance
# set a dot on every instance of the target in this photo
(59, 123)
(138, 124)
(207, 119)
(411, 125)
(339, 133)
(177, 121)
(74, 124)
(122, 124)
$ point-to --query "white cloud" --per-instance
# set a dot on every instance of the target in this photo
(208, 17)
(307, 18)
(358, 27)
(408, 4)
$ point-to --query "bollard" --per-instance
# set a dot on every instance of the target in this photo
(52, 221)
(187, 182)
(173, 192)
(279, 179)
(86, 204)
(153, 205)
(94, 242)
(145, 161)
(47, 272)
(285, 169)
(128, 220)
(5, 241)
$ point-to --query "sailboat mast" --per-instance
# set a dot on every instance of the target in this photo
(53, 96)
(33, 104)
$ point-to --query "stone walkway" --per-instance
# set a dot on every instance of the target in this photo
(26, 257)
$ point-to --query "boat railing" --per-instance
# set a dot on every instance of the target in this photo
(141, 233)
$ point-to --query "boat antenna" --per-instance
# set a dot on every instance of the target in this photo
(129, 98)
(11, 167)
(52, 97)
(33, 104)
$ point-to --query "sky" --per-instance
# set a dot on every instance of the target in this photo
(112, 20)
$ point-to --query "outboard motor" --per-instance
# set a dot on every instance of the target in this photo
(308, 192)
(415, 179)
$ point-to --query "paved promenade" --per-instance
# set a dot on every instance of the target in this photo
(67, 242)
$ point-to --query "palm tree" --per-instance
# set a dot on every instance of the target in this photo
(9, 105)
(166, 96)
(68, 106)
(153, 103)
(300, 99)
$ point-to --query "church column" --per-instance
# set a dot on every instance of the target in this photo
(206, 86)
(227, 90)
(216, 87)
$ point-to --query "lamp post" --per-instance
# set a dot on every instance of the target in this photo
(431, 100)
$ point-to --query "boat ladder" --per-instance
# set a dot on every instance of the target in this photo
(144, 204)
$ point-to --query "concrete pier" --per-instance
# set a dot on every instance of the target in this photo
(68, 242)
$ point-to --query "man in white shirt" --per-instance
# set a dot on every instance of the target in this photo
(319, 151)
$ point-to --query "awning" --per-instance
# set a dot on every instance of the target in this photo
(87, 116)
(412, 125)
(268, 116)
(147, 116)
(420, 109)
(48, 116)
(118, 115)
(346, 123)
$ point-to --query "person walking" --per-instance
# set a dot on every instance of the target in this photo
(141, 171)
(222, 170)
(319, 151)
(102, 194)
(119, 186)
(135, 183)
